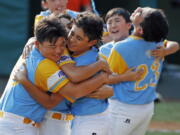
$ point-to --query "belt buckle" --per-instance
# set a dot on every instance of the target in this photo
(57, 116)
(27, 121)
(69, 117)
(1, 114)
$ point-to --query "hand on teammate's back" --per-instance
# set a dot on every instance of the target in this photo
(104, 66)
(159, 52)
(20, 75)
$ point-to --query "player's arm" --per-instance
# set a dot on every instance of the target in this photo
(46, 100)
(75, 91)
(103, 92)
(162, 51)
(28, 47)
(107, 91)
(129, 75)
(71, 90)
(79, 73)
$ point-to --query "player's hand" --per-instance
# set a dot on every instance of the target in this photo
(102, 93)
(104, 77)
(20, 75)
(28, 47)
(133, 75)
(104, 65)
(159, 52)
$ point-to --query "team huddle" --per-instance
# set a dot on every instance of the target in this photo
(65, 83)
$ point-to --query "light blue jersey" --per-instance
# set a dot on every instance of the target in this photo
(135, 52)
(105, 50)
(88, 106)
(63, 106)
(43, 14)
(42, 72)
(73, 14)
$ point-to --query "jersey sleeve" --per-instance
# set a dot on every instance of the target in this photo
(102, 56)
(49, 77)
(37, 19)
(65, 58)
(116, 62)
(165, 43)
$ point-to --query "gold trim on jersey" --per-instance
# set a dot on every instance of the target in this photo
(103, 56)
(135, 37)
(117, 63)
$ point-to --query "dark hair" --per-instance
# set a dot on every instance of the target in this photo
(50, 29)
(118, 11)
(91, 24)
(64, 15)
(155, 26)
(68, 17)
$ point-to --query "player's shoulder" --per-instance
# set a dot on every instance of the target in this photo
(72, 13)
(106, 46)
(48, 64)
(45, 13)
(124, 43)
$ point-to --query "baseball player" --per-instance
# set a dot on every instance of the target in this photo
(19, 111)
(132, 104)
(56, 7)
(90, 113)
(119, 27)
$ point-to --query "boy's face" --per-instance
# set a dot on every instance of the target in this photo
(52, 51)
(56, 6)
(118, 27)
(78, 41)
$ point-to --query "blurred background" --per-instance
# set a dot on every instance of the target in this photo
(17, 19)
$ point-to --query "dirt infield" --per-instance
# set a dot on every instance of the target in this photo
(164, 125)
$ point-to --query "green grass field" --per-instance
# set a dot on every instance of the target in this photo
(162, 133)
(166, 112)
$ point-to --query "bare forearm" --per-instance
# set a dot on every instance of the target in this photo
(171, 47)
(47, 101)
(108, 92)
(89, 86)
(79, 73)
(84, 88)
(103, 92)
(116, 78)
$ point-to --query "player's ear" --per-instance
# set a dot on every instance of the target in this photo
(36, 43)
(129, 25)
(140, 30)
(92, 42)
